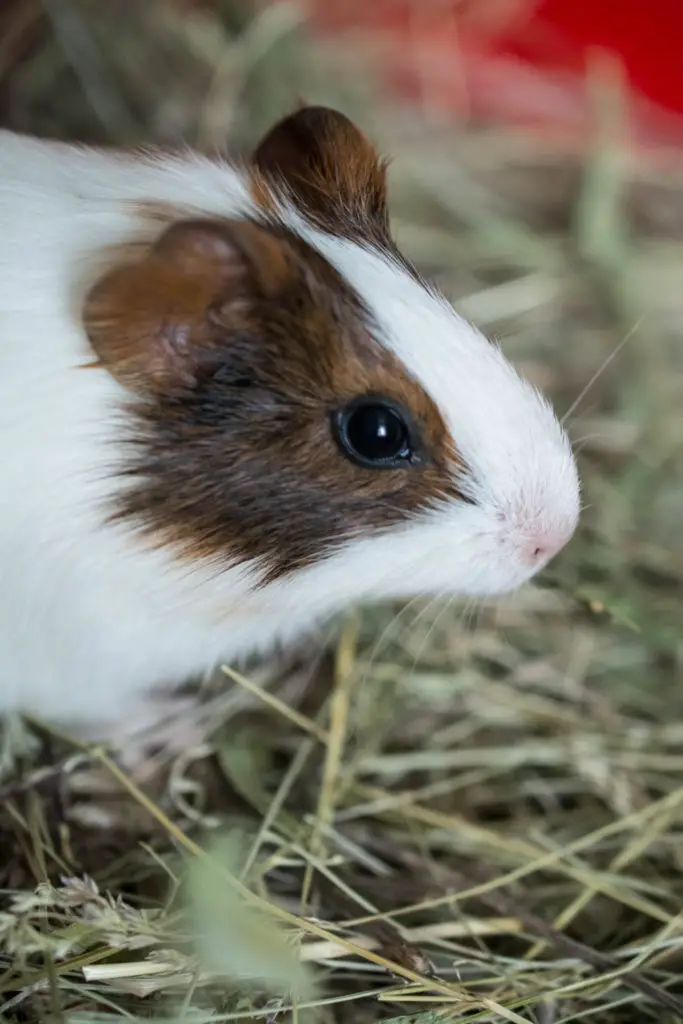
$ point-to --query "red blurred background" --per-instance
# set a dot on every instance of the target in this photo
(522, 59)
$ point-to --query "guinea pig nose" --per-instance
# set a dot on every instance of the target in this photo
(543, 544)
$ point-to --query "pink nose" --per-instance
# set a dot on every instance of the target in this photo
(544, 545)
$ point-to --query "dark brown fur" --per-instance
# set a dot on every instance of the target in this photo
(331, 168)
(332, 172)
(241, 341)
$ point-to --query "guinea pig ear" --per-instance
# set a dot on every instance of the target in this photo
(152, 323)
(332, 170)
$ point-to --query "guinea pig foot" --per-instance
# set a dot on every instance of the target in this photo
(17, 743)
(160, 722)
(157, 725)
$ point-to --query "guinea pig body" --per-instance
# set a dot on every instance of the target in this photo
(230, 407)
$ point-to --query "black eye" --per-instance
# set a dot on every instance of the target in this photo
(375, 432)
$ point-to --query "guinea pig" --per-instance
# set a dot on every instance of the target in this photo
(230, 407)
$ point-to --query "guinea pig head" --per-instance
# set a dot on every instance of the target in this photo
(307, 407)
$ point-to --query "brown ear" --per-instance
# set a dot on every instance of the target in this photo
(152, 323)
(329, 165)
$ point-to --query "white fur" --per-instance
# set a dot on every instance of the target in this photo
(89, 620)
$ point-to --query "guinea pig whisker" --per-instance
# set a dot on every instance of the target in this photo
(477, 612)
(430, 631)
(580, 443)
(385, 635)
(468, 615)
(428, 608)
(600, 370)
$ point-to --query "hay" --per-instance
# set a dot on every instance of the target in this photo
(452, 813)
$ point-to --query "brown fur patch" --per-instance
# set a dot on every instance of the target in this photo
(232, 456)
(148, 319)
(332, 172)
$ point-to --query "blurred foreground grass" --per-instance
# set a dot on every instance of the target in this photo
(450, 813)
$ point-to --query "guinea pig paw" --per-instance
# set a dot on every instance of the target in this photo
(157, 727)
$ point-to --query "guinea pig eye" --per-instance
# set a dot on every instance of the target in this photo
(375, 432)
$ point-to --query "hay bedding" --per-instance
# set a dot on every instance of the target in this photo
(449, 813)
